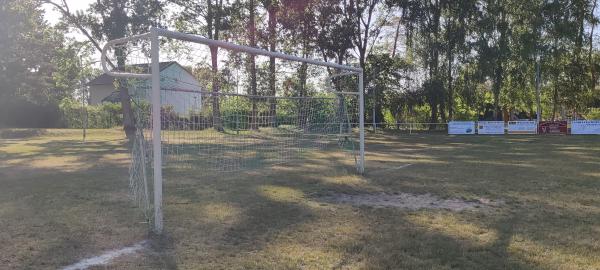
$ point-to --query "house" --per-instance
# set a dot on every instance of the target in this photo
(179, 88)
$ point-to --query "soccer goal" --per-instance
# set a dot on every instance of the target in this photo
(204, 107)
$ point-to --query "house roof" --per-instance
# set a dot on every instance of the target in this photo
(106, 79)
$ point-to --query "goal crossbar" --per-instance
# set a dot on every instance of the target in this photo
(154, 76)
(217, 43)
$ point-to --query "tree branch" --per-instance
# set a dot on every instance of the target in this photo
(64, 9)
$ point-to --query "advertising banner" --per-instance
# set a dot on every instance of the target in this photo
(556, 127)
(585, 127)
(522, 127)
(461, 127)
(490, 127)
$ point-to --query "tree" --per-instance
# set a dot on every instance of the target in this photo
(39, 66)
(252, 62)
(367, 18)
(425, 18)
(298, 20)
(272, 7)
(387, 75)
(77, 20)
(112, 19)
(210, 18)
(335, 31)
(364, 19)
(26, 51)
(458, 16)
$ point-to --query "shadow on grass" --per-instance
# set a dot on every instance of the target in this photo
(552, 203)
(51, 217)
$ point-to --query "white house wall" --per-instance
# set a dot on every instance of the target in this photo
(180, 90)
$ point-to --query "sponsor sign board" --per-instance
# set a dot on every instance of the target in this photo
(490, 127)
(556, 127)
(522, 127)
(583, 127)
(461, 127)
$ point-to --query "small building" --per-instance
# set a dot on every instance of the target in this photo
(179, 88)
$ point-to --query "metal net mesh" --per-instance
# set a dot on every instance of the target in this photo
(207, 130)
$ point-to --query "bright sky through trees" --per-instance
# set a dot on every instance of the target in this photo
(53, 16)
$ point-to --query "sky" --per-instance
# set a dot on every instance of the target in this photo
(52, 16)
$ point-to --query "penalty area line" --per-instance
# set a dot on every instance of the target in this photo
(106, 258)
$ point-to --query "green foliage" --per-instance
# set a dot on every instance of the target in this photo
(386, 76)
(75, 115)
(593, 114)
(464, 112)
(39, 66)
(495, 43)
(459, 59)
(388, 118)
(111, 19)
(19, 112)
(37, 62)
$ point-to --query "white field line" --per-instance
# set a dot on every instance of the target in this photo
(396, 168)
(105, 258)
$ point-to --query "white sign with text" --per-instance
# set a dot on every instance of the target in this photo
(461, 127)
(585, 127)
(522, 127)
(490, 127)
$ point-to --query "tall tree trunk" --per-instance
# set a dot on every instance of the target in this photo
(213, 28)
(396, 36)
(272, 28)
(499, 71)
(302, 106)
(252, 63)
(538, 82)
(342, 110)
(496, 88)
(434, 114)
(303, 75)
(576, 75)
(443, 112)
(555, 102)
(450, 57)
(434, 64)
(128, 117)
(216, 85)
(590, 52)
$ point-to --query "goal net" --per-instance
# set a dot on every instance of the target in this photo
(253, 110)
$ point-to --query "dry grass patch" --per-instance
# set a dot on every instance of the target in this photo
(409, 201)
(62, 201)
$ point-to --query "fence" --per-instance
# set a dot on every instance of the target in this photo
(409, 128)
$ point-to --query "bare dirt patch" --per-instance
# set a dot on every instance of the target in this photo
(409, 201)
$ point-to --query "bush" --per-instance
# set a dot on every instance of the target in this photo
(20, 133)
(21, 113)
(105, 115)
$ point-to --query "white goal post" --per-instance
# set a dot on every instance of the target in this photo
(156, 124)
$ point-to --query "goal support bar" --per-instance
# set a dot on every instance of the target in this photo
(156, 128)
(154, 76)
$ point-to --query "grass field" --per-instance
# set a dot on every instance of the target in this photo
(62, 201)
